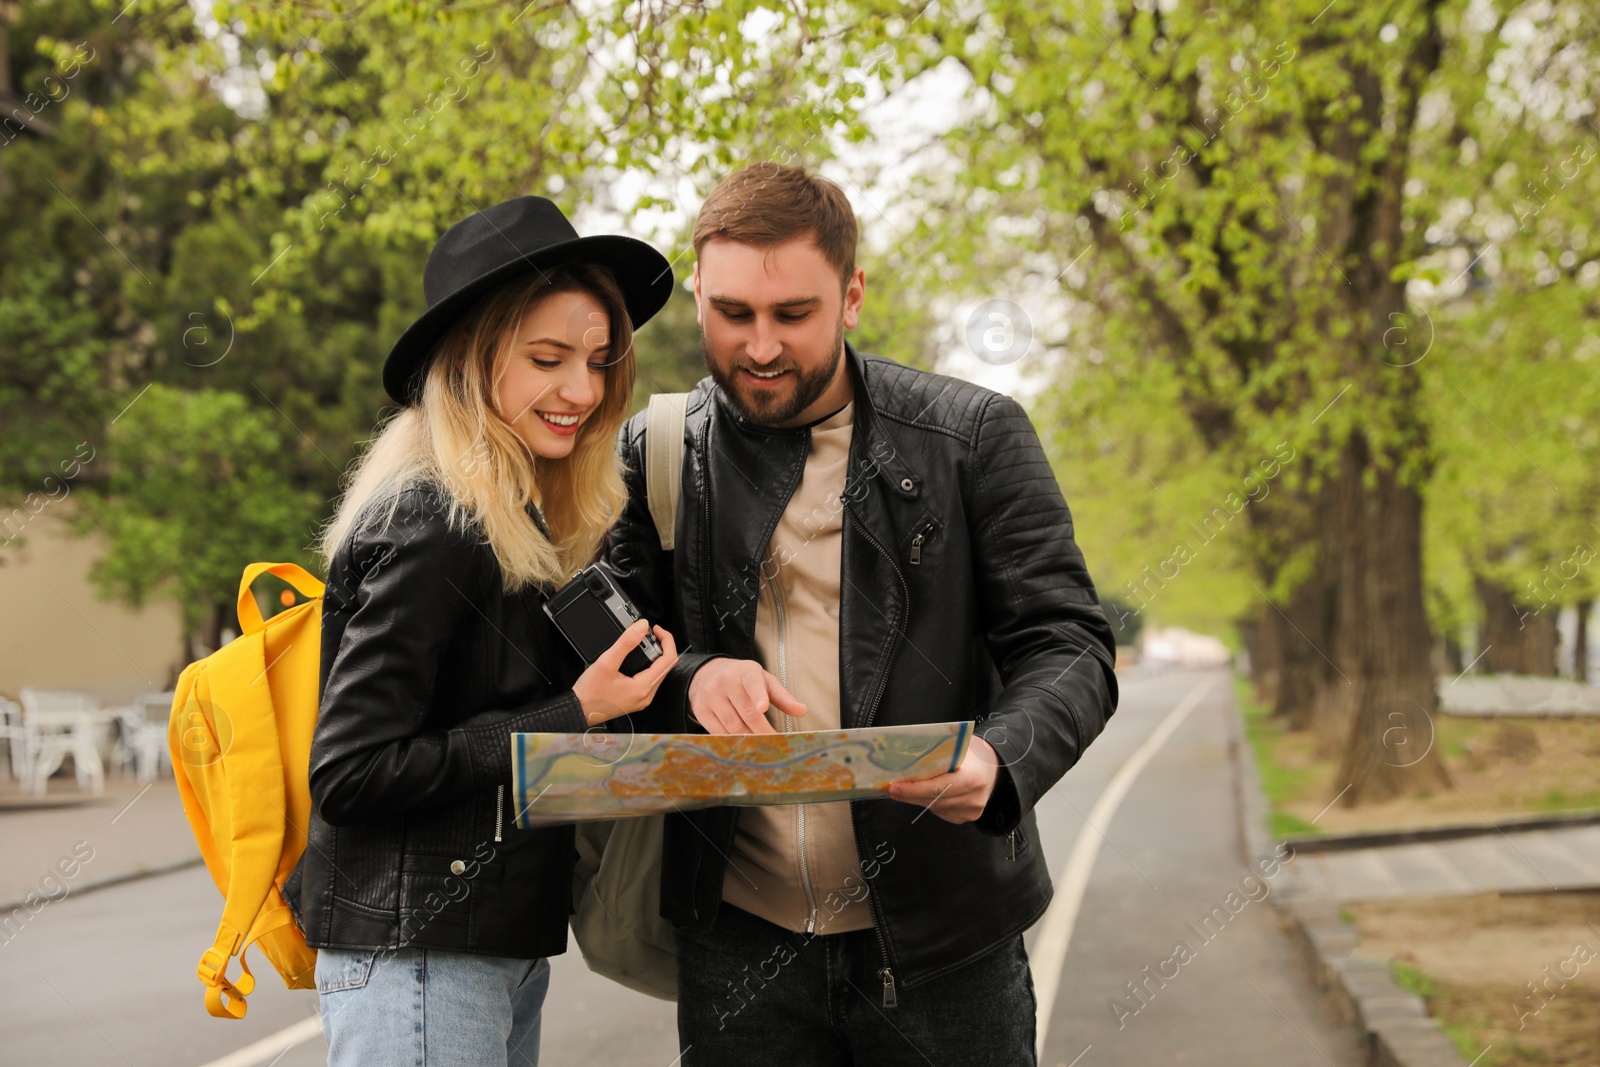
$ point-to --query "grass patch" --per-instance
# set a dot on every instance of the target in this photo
(1498, 767)
(1288, 824)
(1556, 800)
(1409, 978)
(1469, 1039)
(1473, 960)
(1284, 776)
(1456, 734)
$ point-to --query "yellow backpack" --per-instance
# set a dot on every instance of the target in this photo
(240, 736)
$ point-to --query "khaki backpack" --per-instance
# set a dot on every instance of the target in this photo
(616, 886)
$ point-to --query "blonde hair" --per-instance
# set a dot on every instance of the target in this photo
(454, 439)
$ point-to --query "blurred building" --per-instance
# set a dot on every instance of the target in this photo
(55, 634)
(1176, 647)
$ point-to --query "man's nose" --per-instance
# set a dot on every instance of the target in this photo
(764, 346)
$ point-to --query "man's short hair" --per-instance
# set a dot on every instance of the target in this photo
(766, 204)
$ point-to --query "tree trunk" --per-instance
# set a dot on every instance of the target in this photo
(1448, 654)
(1308, 627)
(1266, 657)
(207, 638)
(1384, 685)
(1294, 635)
(1580, 642)
(1518, 640)
(1249, 630)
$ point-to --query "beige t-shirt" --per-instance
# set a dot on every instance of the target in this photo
(792, 862)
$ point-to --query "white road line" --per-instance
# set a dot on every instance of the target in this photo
(1049, 953)
(270, 1048)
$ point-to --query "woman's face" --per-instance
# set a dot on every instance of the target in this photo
(554, 377)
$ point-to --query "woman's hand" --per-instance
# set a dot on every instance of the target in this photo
(605, 692)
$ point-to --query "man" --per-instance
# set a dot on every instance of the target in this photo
(858, 543)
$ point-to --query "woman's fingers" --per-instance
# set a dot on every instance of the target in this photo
(669, 647)
(611, 659)
(652, 676)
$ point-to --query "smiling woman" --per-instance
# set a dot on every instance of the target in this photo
(554, 376)
(495, 481)
(518, 403)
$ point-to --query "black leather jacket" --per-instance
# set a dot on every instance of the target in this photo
(427, 667)
(964, 596)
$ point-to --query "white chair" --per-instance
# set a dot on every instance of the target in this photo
(144, 735)
(56, 724)
(11, 730)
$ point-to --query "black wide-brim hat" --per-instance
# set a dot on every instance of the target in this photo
(497, 244)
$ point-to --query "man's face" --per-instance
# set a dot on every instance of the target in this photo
(772, 320)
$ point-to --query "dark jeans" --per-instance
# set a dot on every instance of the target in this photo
(751, 992)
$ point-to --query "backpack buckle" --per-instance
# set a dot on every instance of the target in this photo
(218, 986)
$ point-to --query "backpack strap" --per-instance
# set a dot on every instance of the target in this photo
(250, 612)
(663, 465)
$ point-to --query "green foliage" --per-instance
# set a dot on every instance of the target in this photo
(194, 493)
(1235, 227)
(1516, 496)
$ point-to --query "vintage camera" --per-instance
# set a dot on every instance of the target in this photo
(591, 613)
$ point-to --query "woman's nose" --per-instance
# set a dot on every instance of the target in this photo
(578, 389)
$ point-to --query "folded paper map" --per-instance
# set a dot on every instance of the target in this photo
(575, 777)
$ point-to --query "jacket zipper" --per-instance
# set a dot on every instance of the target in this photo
(788, 728)
(885, 972)
(877, 697)
(916, 544)
(499, 810)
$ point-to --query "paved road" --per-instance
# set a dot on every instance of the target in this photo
(107, 977)
(1171, 856)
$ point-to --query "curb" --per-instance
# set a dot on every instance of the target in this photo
(110, 880)
(1399, 1031)
(1446, 832)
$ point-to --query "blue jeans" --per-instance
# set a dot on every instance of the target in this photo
(418, 1007)
(752, 992)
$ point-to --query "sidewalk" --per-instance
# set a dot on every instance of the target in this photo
(1518, 695)
(1498, 859)
(66, 843)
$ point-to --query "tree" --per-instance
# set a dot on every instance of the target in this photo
(1254, 188)
(1515, 503)
(233, 216)
(196, 490)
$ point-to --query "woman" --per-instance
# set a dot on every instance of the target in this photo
(431, 911)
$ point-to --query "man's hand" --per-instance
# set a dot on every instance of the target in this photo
(959, 796)
(731, 696)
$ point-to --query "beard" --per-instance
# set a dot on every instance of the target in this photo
(773, 407)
